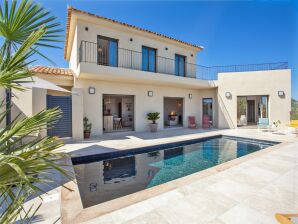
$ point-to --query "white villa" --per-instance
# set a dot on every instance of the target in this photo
(118, 73)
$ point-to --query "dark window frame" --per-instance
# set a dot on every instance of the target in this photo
(108, 39)
(184, 70)
(148, 59)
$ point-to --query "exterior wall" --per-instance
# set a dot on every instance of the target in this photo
(253, 84)
(2, 109)
(143, 104)
(123, 35)
(77, 113)
(73, 62)
(28, 103)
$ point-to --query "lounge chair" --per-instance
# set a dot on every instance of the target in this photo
(263, 123)
(192, 122)
(285, 218)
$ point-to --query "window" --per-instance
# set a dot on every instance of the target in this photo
(107, 51)
(148, 59)
(180, 65)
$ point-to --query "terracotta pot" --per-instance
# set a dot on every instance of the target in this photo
(153, 127)
(86, 134)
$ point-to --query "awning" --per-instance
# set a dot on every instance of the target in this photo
(35, 82)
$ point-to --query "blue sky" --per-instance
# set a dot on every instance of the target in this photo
(232, 32)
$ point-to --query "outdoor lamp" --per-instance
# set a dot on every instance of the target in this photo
(150, 93)
(281, 93)
(228, 94)
(91, 90)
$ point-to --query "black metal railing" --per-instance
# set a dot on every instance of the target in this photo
(130, 59)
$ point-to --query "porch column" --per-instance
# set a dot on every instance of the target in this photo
(77, 114)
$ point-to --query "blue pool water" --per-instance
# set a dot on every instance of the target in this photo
(108, 176)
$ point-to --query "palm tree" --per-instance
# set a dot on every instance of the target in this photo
(24, 164)
(17, 22)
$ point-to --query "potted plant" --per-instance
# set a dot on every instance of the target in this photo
(87, 127)
(276, 124)
(153, 116)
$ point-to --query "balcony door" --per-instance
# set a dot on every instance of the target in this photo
(107, 51)
(148, 59)
(180, 61)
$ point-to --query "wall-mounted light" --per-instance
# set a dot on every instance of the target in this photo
(166, 48)
(86, 28)
(190, 96)
(130, 39)
(150, 93)
(91, 90)
(281, 93)
(228, 95)
(93, 187)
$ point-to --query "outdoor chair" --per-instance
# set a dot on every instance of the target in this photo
(206, 122)
(263, 123)
(192, 122)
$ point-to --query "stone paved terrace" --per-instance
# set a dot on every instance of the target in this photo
(248, 192)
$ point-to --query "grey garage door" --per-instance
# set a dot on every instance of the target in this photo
(63, 128)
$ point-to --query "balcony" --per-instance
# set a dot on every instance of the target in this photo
(129, 59)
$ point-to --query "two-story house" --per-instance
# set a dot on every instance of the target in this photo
(119, 72)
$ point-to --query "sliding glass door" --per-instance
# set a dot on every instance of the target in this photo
(107, 51)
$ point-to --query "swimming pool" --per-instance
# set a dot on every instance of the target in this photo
(107, 176)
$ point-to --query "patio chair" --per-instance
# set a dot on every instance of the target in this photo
(192, 122)
(206, 122)
(285, 218)
(263, 123)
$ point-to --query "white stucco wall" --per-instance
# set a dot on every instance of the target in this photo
(254, 83)
(2, 109)
(92, 104)
(166, 48)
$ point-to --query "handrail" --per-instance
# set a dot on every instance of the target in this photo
(132, 59)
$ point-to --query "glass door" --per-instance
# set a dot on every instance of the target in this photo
(148, 59)
(241, 111)
(207, 112)
(107, 51)
(180, 65)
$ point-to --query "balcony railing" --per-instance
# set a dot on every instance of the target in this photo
(88, 53)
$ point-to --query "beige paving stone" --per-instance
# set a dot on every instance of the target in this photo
(180, 213)
(245, 215)
(148, 218)
(232, 189)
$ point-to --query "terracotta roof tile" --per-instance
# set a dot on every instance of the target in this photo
(71, 9)
(51, 70)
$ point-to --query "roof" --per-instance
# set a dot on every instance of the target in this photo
(51, 70)
(70, 10)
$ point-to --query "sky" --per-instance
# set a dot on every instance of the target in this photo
(231, 32)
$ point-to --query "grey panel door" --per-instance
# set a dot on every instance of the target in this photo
(63, 128)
